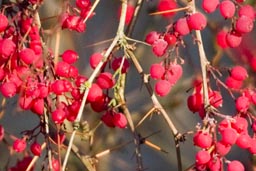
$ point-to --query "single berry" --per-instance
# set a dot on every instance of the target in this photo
(95, 93)
(27, 55)
(69, 56)
(240, 124)
(159, 47)
(165, 5)
(108, 119)
(194, 102)
(197, 21)
(233, 39)
(222, 148)
(239, 73)
(1, 132)
(227, 9)
(232, 83)
(170, 39)
(95, 59)
(210, 5)
(244, 24)
(38, 106)
(36, 149)
(215, 99)
(235, 166)
(19, 145)
(105, 80)
(221, 39)
(58, 116)
(151, 37)
(62, 69)
(7, 48)
(202, 139)
(119, 120)
(214, 164)
(83, 4)
(162, 87)
(55, 164)
(247, 10)
(3, 22)
(242, 104)
(156, 71)
(58, 87)
(8, 89)
(202, 157)
(229, 136)
(120, 62)
(181, 26)
(244, 141)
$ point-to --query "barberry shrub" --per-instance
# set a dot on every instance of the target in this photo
(114, 82)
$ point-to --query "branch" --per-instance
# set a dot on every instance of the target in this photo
(119, 35)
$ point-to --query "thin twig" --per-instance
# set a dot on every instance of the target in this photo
(119, 35)
(91, 10)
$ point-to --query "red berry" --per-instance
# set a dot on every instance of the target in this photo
(227, 9)
(73, 72)
(8, 89)
(152, 37)
(116, 64)
(242, 104)
(252, 148)
(244, 24)
(55, 164)
(174, 73)
(83, 4)
(233, 39)
(165, 5)
(95, 59)
(36, 149)
(7, 48)
(210, 5)
(62, 69)
(95, 93)
(202, 139)
(108, 119)
(202, 157)
(197, 21)
(214, 164)
(19, 145)
(105, 80)
(239, 124)
(215, 99)
(244, 141)
(170, 39)
(73, 110)
(58, 116)
(222, 148)
(159, 47)
(162, 87)
(157, 71)
(38, 106)
(101, 104)
(58, 87)
(221, 39)
(247, 10)
(194, 102)
(181, 26)
(3, 22)
(80, 80)
(25, 102)
(27, 55)
(235, 166)
(119, 120)
(129, 13)
(239, 73)
(69, 56)
(229, 136)
(232, 83)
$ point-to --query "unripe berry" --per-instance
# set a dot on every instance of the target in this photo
(239, 73)
(159, 47)
(105, 80)
(119, 120)
(233, 39)
(69, 56)
(202, 157)
(165, 5)
(227, 9)
(27, 55)
(3, 22)
(221, 39)
(36, 149)
(242, 104)
(235, 166)
(152, 37)
(19, 145)
(197, 21)
(210, 5)
(95, 93)
(181, 26)
(162, 87)
(156, 71)
(244, 24)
